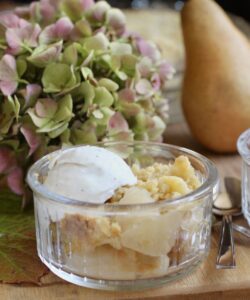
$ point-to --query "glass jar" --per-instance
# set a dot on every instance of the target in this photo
(125, 247)
(243, 146)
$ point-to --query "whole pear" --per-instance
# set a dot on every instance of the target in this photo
(216, 92)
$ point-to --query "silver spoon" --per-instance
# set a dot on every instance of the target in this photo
(227, 207)
(241, 229)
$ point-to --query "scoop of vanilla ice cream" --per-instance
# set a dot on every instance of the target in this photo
(88, 173)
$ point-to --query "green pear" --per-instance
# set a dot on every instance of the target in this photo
(216, 92)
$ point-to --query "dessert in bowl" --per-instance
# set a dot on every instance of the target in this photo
(123, 215)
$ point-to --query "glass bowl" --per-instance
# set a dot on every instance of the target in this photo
(243, 146)
(173, 236)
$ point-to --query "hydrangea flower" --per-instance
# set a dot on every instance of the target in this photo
(71, 73)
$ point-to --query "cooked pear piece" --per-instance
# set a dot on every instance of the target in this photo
(216, 93)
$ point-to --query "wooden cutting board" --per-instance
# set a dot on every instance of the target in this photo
(204, 283)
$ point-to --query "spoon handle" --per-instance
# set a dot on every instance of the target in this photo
(242, 230)
(226, 254)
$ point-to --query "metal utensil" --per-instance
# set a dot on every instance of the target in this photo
(241, 229)
(227, 207)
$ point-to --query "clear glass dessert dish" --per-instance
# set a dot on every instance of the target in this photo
(116, 246)
(243, 146)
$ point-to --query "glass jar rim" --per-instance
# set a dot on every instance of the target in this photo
(206, 187)
(243, 145)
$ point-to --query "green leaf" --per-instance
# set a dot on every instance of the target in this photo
(19, 262)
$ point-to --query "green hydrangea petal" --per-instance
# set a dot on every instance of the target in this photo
(97, 42)
(39, 122)
(70, 55)
(57, 132)
(103, 97)
(109, 84)
(58, 77)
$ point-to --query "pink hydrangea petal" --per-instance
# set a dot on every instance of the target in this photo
(32, 91)
(117, 20)
(8, 75)
(63, 28)
(147, 49)
(48, 35)
(47, 10)
(15, 180)
(87, 4)
(127, 95)
(8, 87)
(32, 138)
(44, 107)
(143, 87)
(156, 81)
(8, 67)
(166, 71)
(60, 30)
(118, 123)
(13, 38)
(28, 35)
(11, 20)
(32, 33)
(7, 160)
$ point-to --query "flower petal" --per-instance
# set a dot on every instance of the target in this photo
(8, 75)
(18, 37)
(46, 108)
(32, 138)
(44, 55)
(10, 20)
(156, 81)
(148, 49)
(117, 123)
(143, 87)
(15, 181)
(127, 95)
(7, 160)
(61, 30)
(116, 20)
(8, 87)
(166, 71)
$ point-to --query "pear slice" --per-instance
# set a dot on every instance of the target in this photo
(152, 235)
(216, 92)
(111, 264)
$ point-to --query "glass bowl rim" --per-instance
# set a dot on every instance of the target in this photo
(211, 181)
(242, 144)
